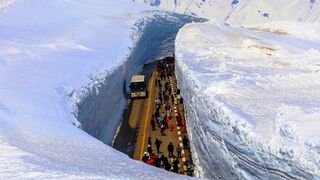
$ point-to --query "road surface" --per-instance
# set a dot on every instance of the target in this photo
(136, 127)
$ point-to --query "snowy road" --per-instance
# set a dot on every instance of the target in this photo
(132, 121)
(136, 128)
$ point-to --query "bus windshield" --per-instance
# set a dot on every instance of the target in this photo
(137, 86)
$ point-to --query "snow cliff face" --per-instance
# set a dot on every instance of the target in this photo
(244, 11)
(55, 55)
(252, 99)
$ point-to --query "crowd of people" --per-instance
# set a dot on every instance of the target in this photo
(161, 119)
(158, 159)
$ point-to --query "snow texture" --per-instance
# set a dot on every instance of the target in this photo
(56, 56)
(244, 11)
(252, 98)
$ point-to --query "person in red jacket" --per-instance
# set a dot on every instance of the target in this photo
(166, 122)
(150, 162)
(179, 119)
(153, 122)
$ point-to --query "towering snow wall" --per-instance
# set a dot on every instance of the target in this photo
(53, 54)
(244, 11)
(252, 99)
(100, 111)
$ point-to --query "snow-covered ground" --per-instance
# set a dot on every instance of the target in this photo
(7, 4)
(252, 97)
(53, 55)
(244, 11)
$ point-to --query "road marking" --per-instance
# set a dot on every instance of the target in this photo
(181, 145)
(175, 107)
(182, 152)
(175, 111)
(180, 138)
(176, 114)
(178, 129)
(184, 159)
(185, 168)
(179, 132)
(147, 117)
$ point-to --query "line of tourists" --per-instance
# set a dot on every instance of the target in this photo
(161, 119)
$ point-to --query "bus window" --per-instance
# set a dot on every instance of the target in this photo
(137, 86)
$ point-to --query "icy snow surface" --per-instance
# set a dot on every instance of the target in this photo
(244, 11)
(252, 98)
(52, 54)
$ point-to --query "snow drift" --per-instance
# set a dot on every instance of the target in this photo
(252, 99)
(244, 11)
(55, 55)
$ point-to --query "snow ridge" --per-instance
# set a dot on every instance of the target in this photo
(252, 99)
(7, 4)
(244, 11)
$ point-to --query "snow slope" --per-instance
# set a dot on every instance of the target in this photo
(244, 11)
(252, 98)
(7, 4)
(52, 55)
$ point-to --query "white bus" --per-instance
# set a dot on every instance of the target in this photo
(138, 87)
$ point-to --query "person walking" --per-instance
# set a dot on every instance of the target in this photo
(158, 144)
(170, 161)
(153, 122)
(185, 142)
(150, 162)
(170, 149)
(166, 122)
(176, 165)
(179, 119)
(149, 149)
(163, 128)
(172, 98)
(145, 157)
(166, 164)
(149, 141)
(179, 149)
(161, 99)
(175, 100)
(157, 161)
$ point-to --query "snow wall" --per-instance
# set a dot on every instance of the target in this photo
(100, 111)
(216, 157)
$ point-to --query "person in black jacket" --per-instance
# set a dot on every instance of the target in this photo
(170, 149)
(158, 144)
(149, 141)
(176, 165)
(149, 149)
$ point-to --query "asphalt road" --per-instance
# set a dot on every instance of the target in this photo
(136, 127)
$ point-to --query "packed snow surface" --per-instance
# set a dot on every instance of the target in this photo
(244, 11)
(52, 55)
(252, 98)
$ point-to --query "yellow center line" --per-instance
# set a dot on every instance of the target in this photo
(147, 116)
